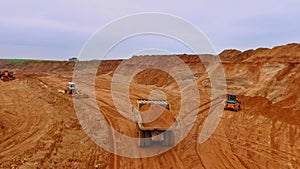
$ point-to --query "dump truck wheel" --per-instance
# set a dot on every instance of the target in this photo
(166, 138)
(171, 138)
(141, 137)
(147, 138)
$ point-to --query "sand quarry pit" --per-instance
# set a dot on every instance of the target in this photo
(39, 127)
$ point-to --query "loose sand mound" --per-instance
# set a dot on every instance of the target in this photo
(156, 116)
(284, 54)
(231, 55)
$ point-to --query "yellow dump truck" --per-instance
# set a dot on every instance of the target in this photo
(155, 123)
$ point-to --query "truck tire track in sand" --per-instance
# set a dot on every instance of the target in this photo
(19, 128)
(39, 129)
(125, 126)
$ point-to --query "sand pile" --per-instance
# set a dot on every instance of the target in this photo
(156, 116)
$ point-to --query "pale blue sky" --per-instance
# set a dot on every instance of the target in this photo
(58, 29)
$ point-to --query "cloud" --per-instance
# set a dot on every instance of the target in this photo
(63, 26)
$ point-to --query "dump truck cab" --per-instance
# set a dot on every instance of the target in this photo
(232, 103)
(155, 122)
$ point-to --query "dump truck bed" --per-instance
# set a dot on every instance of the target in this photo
(156, 117)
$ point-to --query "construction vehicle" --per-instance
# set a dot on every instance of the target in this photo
(232, 103)
(71, 89)
(7, 76)
(155, 123)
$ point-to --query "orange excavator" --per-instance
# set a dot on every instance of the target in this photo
(7, 76)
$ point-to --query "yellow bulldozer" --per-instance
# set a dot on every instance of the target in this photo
(232, 103)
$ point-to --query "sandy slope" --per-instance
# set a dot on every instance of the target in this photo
(39, 127)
